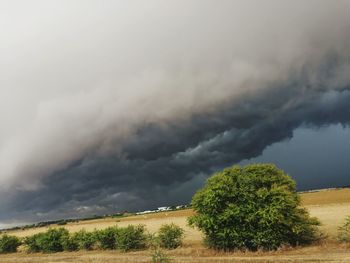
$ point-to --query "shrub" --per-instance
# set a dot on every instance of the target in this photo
(131, 237)
(106, 238)
(252, 207)
(158, 256)
(170, 236)
(69, 243)
(344, 231)
(48, 242)
(9, 244)
(85, 240)
(33, 242)
(52, 240)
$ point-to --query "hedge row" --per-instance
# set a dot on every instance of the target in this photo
(122, 238)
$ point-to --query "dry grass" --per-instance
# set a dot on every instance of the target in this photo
(327, 252)
(325, 197)
(330, 206)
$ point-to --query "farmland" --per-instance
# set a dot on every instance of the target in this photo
(330, 206)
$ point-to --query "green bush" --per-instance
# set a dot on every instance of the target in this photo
(9, 244)
(52, 240)
(252, 207)
(33, 242)
(344, 231)
(170, 236)
(85, 240)
(48, 242)
(107, 237)
(69, 243)
(131, 237)
(56, 240)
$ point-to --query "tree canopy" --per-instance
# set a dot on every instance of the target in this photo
(252, 207)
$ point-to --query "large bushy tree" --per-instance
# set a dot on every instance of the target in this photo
(252, 207)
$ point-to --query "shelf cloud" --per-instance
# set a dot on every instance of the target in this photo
(114, 106)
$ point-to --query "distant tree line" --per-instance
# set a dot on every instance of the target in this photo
(64, 221)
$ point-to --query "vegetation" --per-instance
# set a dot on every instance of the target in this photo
(252, 207)
(107, 238)
(131, 237)
(170, 236)
(85, 240)
(344, 231)
(9, 244)
(123, 238)
(53, 240)
(69, 243)
(33, 243)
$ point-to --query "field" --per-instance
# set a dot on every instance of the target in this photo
(330, 206)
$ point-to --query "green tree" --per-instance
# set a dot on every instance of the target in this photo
(252, 207)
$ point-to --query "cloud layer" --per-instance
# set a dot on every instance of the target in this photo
(108, 107)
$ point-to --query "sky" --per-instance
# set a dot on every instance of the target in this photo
(130, 105)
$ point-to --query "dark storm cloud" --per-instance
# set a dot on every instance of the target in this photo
(158, 160)
(128, 106)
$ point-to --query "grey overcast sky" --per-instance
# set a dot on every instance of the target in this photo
(114, 105)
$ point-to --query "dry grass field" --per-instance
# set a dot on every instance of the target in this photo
(330, 206)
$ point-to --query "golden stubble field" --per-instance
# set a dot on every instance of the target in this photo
(330, 206)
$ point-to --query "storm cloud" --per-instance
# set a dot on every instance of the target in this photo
(129, 105)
